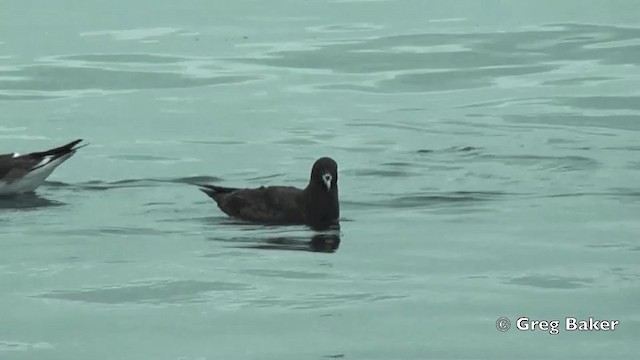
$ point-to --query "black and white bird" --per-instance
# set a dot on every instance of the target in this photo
(25, 173)
(316, 205)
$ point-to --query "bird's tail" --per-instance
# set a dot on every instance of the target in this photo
(212, 190)
(62, 150)
(54, 157)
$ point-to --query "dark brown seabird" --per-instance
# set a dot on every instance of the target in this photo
(316, 205)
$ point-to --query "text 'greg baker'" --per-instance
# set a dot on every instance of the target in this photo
(570, 324)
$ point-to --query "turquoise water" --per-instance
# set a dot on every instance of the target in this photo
(488, 159)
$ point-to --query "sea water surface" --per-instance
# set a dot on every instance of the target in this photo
(489, 161)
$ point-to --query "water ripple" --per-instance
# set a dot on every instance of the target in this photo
(285, 274)
(559, 163)
(124, 58)
(157, 292)
(601, 102)
(439, 81)
(430, 62)
(434, 199)
(56, 80)
(7, 345)
(623, 122)
(322, 300)
(134, 34)
(551, 282)
(132, 183)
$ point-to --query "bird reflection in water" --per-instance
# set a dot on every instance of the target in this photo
(28, 201)
(326, 241)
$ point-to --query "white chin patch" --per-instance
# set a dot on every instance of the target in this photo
(326, 179)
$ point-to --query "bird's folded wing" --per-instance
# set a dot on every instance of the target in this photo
(13, 169)
(273, 204)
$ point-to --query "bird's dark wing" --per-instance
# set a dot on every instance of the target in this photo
(12, 168)
(274, 204)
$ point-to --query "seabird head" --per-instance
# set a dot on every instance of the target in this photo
(325, 173)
